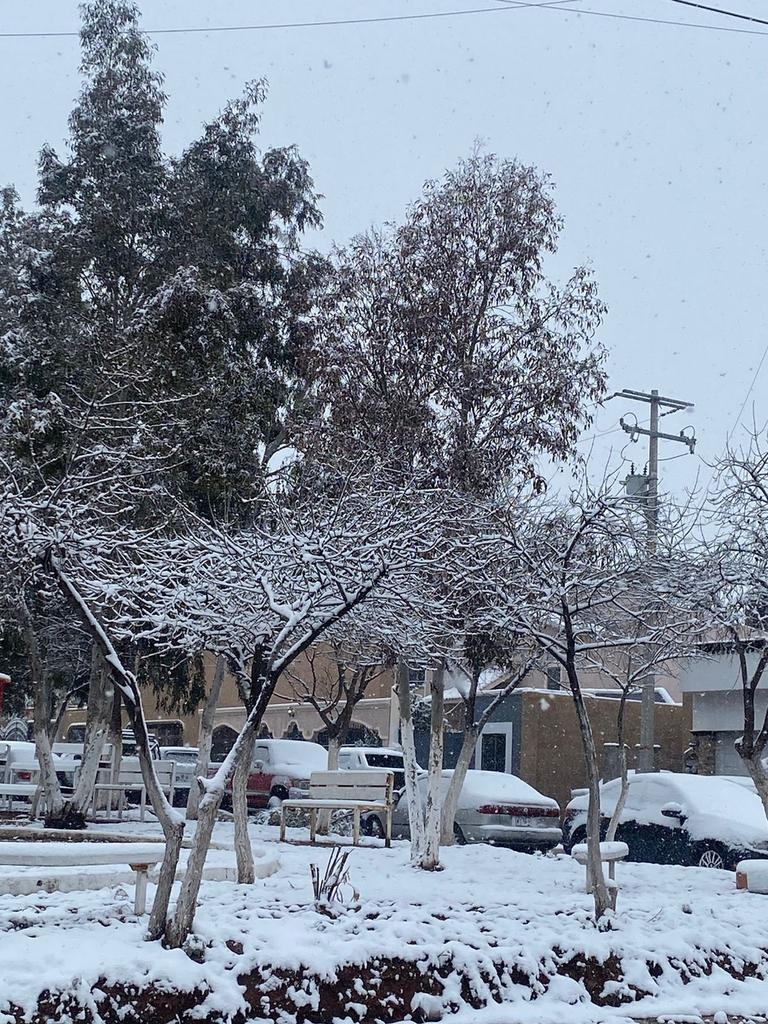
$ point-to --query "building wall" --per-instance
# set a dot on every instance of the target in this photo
(546, 743)
(718, 671)
(551, 752)
(284, 709)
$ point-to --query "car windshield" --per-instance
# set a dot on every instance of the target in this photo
(394, 761)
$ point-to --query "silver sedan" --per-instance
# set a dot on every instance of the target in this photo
(493, 808)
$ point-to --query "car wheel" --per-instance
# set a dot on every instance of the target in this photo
(579, 836)
(374, 827)
(459, 837)
(277, 795)
(710, 857)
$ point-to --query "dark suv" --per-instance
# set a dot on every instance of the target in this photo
(670, 818)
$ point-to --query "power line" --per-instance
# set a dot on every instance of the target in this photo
(654, 21)
(550, 5)
(720, 10)
(749, 392)
(201, 30)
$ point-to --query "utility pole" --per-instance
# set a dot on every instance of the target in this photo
(650, 496)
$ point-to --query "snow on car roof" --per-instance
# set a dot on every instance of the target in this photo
(716, 806)
(713, 802)
(373, 750)
(496, 787)
(297, 752)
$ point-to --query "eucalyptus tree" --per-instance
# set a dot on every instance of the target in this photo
(152, 307)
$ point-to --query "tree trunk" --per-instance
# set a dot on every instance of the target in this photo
(48, 784)
(412, 794)
(613, 824)
(324, 817)
(179, 927)
(205, 737)
(430, 860)
(213, 790)
(754, 766)
(604, 901)
(243, 849)
(171, 821)
(451, 801)
(100, 696)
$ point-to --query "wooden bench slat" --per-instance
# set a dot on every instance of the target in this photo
(326, 804)
(343, 790)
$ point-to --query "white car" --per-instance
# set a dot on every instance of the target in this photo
(361, 759)
(493, 808)
(185, 759)
(711, 821)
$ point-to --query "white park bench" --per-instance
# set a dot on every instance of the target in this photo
(610, 854)
(130, 780)
(345, 791)
(140, 857)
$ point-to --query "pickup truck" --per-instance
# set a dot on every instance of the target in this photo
(279, 766)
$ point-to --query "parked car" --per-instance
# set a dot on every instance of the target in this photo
(18, 761)
(361, 759)
(493, 808)
(185, 759)
(129, 745)
(279, 766)
(671, 818)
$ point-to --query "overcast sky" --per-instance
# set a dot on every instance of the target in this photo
(654, 134)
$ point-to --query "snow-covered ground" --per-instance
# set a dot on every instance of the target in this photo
(488, 906)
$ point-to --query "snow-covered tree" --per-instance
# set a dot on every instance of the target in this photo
(151, 312)
(595, 590)
(737, 564)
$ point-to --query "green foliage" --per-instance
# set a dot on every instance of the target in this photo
(151, 312)
(152, 309)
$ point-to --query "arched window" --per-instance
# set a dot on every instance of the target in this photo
(293, 732)
(222, 742)
(358, 735)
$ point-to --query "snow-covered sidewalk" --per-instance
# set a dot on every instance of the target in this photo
(494, 925)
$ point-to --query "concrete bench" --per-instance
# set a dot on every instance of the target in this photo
(610, 853)
(345, 791)
(140, 857)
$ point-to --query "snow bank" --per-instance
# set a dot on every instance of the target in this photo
(494, 925)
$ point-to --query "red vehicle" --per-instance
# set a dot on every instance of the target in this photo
(279, 766)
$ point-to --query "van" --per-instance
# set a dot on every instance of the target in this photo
(361, 759)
